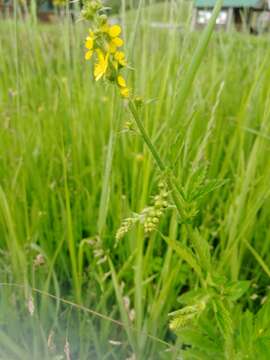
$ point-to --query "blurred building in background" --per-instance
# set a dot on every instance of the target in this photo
(250, 15)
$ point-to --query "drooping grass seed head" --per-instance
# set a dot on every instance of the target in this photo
(126, 225)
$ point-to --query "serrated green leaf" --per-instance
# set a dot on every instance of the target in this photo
(202, 249)
(245, 334)
(208, 187)
(201, 341)
(195, 182)
(218, 280)
(223, 318)
(192, 296)
(262, 320)
(234, 290)
(185, 254)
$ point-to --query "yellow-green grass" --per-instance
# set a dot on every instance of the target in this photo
(71, 170)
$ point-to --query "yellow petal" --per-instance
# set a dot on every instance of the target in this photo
(89, 43)
(121, 81)
(101, 67)
(124, 92)
(114, 31)
(98, 72)
(119, 55)
(100, 55)
(88, 55)
(118, 42)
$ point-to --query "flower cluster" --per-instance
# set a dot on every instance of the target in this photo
(149, 216)
(184, 316)
(104, 44)
(155, 212)
(124, 228)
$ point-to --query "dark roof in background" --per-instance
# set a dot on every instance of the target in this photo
(231, 3)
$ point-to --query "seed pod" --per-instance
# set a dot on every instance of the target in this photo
(155, 212)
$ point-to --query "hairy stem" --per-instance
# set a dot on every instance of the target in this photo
(171, 181)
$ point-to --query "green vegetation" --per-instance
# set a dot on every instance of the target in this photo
(73, 167)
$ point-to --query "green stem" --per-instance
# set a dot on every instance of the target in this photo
(171, 181)
(145, 136)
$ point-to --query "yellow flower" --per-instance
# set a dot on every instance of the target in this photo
(101, 66)
(118, 42)
(89, 43)
(114, 31)
(121, 81)
(114, 44)
(125, 92)
(120, 57)
(88, 54)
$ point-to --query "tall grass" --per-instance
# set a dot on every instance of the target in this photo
(72, 168)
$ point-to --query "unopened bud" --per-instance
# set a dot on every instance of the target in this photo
(103, 19)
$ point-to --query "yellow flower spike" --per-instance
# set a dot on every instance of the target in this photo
(88, 55)
(89, 43)
(121, 81)
(114, 31)
(117, 41)
(125, 92)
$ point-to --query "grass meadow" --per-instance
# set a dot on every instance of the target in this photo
(73, 166)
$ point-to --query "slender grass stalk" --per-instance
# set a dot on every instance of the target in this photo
(106, 183)
(70, 236)
(195, 62)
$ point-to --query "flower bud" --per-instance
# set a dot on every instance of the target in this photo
(95, 5)
(103, 19)
(138, 101)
